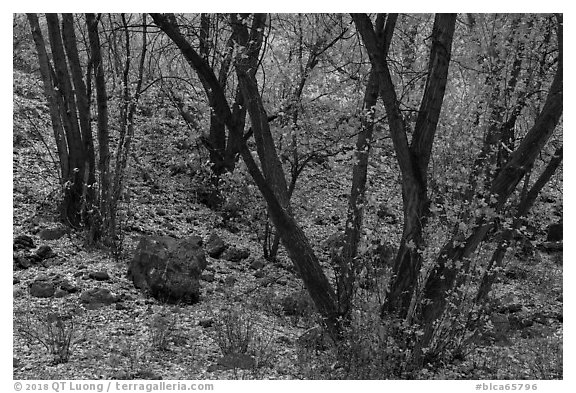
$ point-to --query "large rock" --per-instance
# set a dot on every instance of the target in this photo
(554, 232)
(169, 269)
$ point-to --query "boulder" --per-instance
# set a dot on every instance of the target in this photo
(169, 269)
(215, 246)
(234, 254)
(554, 232)
(42, 287)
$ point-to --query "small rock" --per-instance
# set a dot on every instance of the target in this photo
(215, 246)
(206, 322)
(45, 252)
(230, 281)
(99, 276)
(259, 274)
(53, 233)
(42, 288)
(234, 254)
(258, 264)
(23, 242)
(15, 280)
(121, 306)
(97, 297)
(22, 262)
(208, 277)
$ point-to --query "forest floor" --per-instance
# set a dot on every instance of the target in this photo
(266, 307)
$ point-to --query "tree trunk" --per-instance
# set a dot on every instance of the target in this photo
(46, 72)
(74, 183)
(293, 238)
(456, 253)
(106, 210)
(412, 158)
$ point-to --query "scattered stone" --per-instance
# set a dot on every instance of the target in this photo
(215, 246)
(67, 286)
(78, 274)
(234, 254)
(160, 212)
(121, 306)
(42, 287)
(169, 269)
(53, 233)
(45, 252)
(15, 280)
(258, 264)
(97, 297)
(99, 276)
(23, 242)
(22, 261)
(206, 322)
(260, 273)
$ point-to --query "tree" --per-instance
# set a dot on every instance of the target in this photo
(65, 91)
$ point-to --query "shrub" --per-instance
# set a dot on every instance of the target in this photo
(238, 331)
(163, 328)
(55, 330)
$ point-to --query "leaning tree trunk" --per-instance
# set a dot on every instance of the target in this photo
(456, 253)
(296, 243)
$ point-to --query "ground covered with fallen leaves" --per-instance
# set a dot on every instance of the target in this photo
(260, 307)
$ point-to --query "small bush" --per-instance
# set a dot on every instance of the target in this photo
(162, 328)
(238, 331)
(55, 330)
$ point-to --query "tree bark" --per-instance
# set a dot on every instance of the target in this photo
(412, 158)
(293, 238)
(46, 72)
(457, 252)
